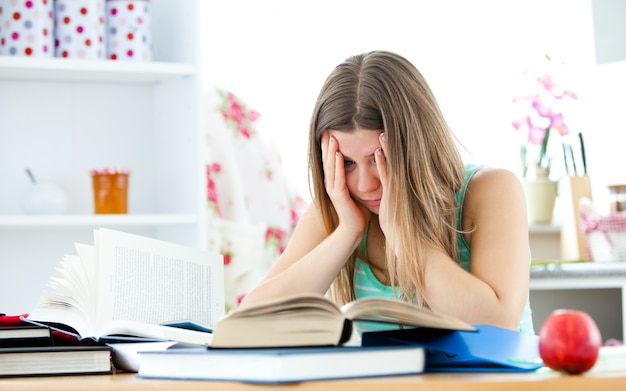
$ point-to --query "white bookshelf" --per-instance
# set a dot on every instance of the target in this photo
(63, 117)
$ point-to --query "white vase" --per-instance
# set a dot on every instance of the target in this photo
(540, 199)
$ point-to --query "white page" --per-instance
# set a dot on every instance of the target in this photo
(143, 280)
(64, 302)
(86, 282)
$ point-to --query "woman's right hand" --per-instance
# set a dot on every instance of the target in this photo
(352, 216)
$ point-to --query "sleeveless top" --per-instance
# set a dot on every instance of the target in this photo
(366, 284)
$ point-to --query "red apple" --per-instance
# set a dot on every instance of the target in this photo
(569, 341)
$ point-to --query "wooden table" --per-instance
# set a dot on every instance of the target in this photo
(536, 381)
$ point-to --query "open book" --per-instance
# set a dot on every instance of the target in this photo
(127, 285)
(314, 320)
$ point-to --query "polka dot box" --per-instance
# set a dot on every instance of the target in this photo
(128, 30)
(26, 28)
(79, 29)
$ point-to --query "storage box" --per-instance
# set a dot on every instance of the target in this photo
(26, 28)
(79, 29)
(606, 234)
(128, 26)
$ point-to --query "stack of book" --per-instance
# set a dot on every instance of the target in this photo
(308, 337)
(31, 350)
(123, 288)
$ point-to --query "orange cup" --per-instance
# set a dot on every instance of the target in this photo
(110, 192)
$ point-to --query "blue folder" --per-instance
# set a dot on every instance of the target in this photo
(488, 349)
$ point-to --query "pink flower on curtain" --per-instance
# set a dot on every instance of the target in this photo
(297, 206)
(211, 171)
(237, 115)
(276, 238)
(226, 250)
(228, 256)
(267, 171)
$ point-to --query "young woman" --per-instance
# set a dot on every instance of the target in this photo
(396, 212)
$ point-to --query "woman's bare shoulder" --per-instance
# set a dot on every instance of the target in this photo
(494, 187)
(493, 178)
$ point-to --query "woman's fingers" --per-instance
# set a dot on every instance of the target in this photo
(381, 166)
(350, 214)
(329, 152)
(381, 161)
(340, 174)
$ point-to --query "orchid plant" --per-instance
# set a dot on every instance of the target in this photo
(540, 114)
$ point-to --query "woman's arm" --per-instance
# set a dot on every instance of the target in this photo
(310, 262)
(313, 258)
(496, 289)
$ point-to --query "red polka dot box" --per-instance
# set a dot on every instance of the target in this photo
(128, 30)
(26, 28)
(79, 29)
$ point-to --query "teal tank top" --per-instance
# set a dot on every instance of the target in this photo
(366, 284)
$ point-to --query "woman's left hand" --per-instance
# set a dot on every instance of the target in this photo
(381, 165)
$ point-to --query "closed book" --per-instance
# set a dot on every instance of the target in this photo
(281, 365)
(55, 360)
(23, 336)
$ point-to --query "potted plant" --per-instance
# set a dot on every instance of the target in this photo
(540, 118)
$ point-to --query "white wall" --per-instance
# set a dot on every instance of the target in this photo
(275, 54)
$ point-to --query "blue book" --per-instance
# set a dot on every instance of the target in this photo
(281, 365)
(488, 349)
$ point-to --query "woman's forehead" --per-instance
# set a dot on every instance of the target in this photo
(357, 142)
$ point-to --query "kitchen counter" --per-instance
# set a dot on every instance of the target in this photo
(598, 288)
(578, 269)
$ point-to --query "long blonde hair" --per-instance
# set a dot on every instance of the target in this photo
(384, 91)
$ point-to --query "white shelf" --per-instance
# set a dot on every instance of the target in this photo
(77, 221)
(97, 71)
(62, 117)
(544, 229)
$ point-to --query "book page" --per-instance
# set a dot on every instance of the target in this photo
(152, 281)
(85, 283)
(385, 310)
(301, 320)
(67, 301)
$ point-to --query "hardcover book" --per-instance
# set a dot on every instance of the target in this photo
(55, 360)
(314, 320)
(281, 365)
(22, 336)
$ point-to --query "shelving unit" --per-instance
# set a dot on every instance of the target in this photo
(63, 117)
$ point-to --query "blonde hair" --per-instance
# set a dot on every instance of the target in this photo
(384, 91)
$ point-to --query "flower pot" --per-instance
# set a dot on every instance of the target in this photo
(540, 199)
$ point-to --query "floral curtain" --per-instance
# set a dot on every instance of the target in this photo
(253, 208)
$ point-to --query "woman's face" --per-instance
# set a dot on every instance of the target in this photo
(362, 179)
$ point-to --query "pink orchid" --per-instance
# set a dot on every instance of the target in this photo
(539, 114)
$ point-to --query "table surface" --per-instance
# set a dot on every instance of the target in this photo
(535, 381)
